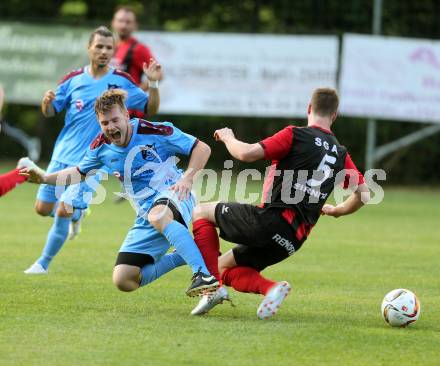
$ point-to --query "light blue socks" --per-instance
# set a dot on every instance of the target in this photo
(76, 214)
(167, 263)
(180, 238)
(55, 239)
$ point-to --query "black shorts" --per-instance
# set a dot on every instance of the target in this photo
(134, 259)
(139, 259)
(263, 236)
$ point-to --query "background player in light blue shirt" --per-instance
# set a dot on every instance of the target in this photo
(76, 93)
(142, 155)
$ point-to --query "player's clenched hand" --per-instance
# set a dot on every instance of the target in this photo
(182, 188)
(330, 210)
(153, 71)
(223, 134)
(48, 97)
(33, 175)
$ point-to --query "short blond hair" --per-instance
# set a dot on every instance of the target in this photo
(110, 98)
(325, 102)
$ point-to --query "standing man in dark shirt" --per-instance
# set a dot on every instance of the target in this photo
(307, 162)
(130, 54)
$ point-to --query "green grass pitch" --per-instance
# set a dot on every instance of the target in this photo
(75, 316)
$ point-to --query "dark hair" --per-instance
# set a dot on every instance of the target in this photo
(101, 31)
(127, 8)
(325, 102)
(110, 98)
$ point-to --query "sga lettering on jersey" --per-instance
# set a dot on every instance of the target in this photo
(326, 145)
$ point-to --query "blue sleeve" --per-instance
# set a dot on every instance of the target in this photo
(62, 96)
(137, 98)
(90, 161)
(179, 142)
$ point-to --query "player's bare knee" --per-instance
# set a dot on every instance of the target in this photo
(159, 217)
(43, 209)
(221, 269)
(155, 222)
(126, 279)
(197, 213)
(226, 261)
(124, 285)
(64, 210)
(205, 211)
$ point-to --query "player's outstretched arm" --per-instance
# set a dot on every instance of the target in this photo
(197, 161)
(63, 177)
(353, 203)
(238, 149)
(154, 74)
(46, 104)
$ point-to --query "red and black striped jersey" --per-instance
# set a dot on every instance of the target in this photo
(307, 162)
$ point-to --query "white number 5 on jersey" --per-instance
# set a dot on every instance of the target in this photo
(325, 168)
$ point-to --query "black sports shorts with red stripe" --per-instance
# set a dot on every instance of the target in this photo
(263, 236)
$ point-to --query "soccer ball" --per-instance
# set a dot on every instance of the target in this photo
(400, 307)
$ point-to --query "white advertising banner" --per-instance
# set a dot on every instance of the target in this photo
(241, 75)
(390, 78)
(34, 57)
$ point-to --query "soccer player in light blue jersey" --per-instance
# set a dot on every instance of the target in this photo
(76, 94)
(142, 155)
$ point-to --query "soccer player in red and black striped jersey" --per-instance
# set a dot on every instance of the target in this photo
(307, 162)
(130, 54)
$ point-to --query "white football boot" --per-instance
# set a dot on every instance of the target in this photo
(75, 226)
(28, 163)
(25, 163)
(210, 300)
(272, 301)
(36, 268)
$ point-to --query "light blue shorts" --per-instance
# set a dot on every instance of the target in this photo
(76, 195)
(143, 238)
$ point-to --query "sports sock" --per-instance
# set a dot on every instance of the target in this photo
(10, 180)
(180, 238)
(246, 279)
(168, 262)
(76, 214)
(55, 239)
(206, 238)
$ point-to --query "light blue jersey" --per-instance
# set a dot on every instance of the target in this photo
(77, 93)
(147, 166)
